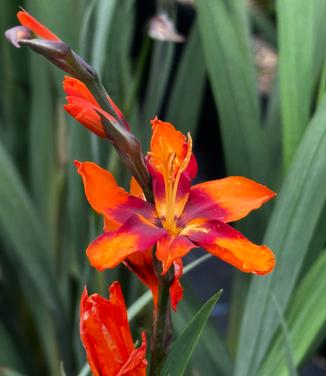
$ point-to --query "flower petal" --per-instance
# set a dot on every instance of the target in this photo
(170, 248)
(136, 362)
(227, 199)
(172, 166)
(141, 263)
(31, 23)
(136, 190)
(176, 289)
(231, 246)
(110, 249)
(75, 88)
(176, 293)
(86, 116)
(107, 198)
(166, 140)
(106, 335)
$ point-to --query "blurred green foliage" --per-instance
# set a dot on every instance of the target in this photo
(276, 321)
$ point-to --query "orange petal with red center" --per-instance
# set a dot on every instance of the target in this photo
(110, 249)
(107, 198)
(170, 248)
(31, 23)
(106, 336)
(231, 246)
(227, 199)
(141, 263)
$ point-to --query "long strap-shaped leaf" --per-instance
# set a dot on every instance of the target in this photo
(188, 88)
(289, 234)
(305, 317)
(23, 230)
(185, 344)
(301, 37)
(230, 67)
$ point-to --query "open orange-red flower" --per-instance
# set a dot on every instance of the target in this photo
(106, 336)
(182, 218)
(82, 105)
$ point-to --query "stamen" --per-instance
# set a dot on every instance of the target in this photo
(171, 193)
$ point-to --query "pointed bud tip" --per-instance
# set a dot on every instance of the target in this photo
(18, 33)
(77, 164)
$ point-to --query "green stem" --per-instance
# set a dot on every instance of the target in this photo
(162, 329)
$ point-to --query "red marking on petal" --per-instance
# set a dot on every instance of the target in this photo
(110, 200)
(227, 200)
(40, 30)
(110, 249)
(231, 246)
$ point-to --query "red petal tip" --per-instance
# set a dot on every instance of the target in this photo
(77, 164)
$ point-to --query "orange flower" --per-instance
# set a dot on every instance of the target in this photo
(105, 333)
(84, 108)
(182, 218)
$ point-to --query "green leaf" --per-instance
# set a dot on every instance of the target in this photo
(301, 37)
(305, 319)
(204, 359)
(42, 143)
(24, 232)
(9, 372)
(288, 348)
(229, 61)
(289, 235)
(104, 13)
(160, 70)
(185, 344)
(9, 355)
(188, 87)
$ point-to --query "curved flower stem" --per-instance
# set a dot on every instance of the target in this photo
(162, 329)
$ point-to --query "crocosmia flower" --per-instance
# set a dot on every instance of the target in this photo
(105, 333)
(183, 217)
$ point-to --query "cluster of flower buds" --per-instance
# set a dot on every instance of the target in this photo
(87, 99)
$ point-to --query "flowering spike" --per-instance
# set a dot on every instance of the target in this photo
(100, 115)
